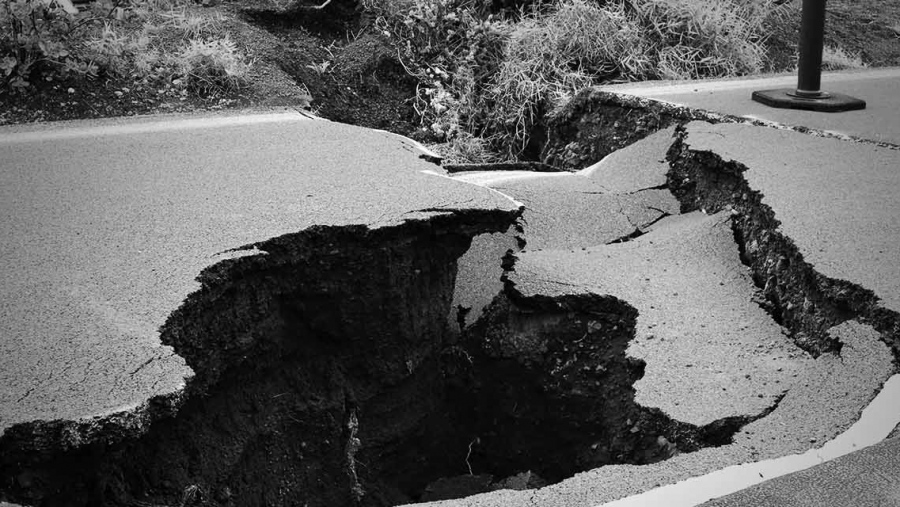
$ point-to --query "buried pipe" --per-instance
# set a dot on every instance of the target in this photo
(808, 94)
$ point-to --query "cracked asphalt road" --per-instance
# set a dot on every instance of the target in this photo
(836, 200)
(710, 351)
(107, 224)
(823, 191)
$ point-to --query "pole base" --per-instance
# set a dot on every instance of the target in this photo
(825, 102)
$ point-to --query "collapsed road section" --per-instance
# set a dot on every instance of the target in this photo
(785, 283)
(245, 311)
(815, 219)
(239, 327)
(264, 321)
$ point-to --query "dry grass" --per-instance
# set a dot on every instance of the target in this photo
(168, 42)
(835, 58)
(465, 148)
(704, 38)
(503, 74)
(550, 55)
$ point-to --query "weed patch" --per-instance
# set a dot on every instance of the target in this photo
(148, 40)
(835, 58)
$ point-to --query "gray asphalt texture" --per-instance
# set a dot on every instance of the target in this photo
(710, 351)
(636, 167)
(838, 187)
(836, 200)
(567, 213)
(878, 87)
(478, 275)
(106, 227)
(867, 478)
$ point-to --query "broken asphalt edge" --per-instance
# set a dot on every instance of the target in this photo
(763, 249)
(597, 122)
(686, 437)
(601, 122)
(800, 298)
(22, 441)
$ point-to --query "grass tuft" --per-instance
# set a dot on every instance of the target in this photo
(835, 58)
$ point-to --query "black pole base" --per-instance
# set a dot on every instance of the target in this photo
(825, 102)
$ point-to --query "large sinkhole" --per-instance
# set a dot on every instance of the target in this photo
(327, 375)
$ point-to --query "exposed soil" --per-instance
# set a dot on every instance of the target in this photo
(596, 123)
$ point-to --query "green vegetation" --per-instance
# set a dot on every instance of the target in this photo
(492, 75)
(148, 40)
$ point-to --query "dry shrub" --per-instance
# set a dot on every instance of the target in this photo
(549, 56)
(465, 148)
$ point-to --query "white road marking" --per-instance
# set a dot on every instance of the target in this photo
(487, 178)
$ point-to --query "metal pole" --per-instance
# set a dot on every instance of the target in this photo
(808, 94)
(812, 36)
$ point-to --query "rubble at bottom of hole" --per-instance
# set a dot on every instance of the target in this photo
(461, 486)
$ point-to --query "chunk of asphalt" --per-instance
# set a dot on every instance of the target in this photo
(573, 212)
(834, 390)
(562, 210)
(639, 166)
(711, 353)
(645, 207)
(559, 219)
(104, 244)
(871, 427)
(825, 400)
(836, 200)
(478, 278)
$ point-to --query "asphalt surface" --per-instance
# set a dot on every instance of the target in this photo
(833, 198)
(107, 224)
(478, 276)
(710, 351)
(861, 478)
(562, 211)
(571, 210)
(836, 200)
(556, 217)
(637, 167)
(878, 87)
